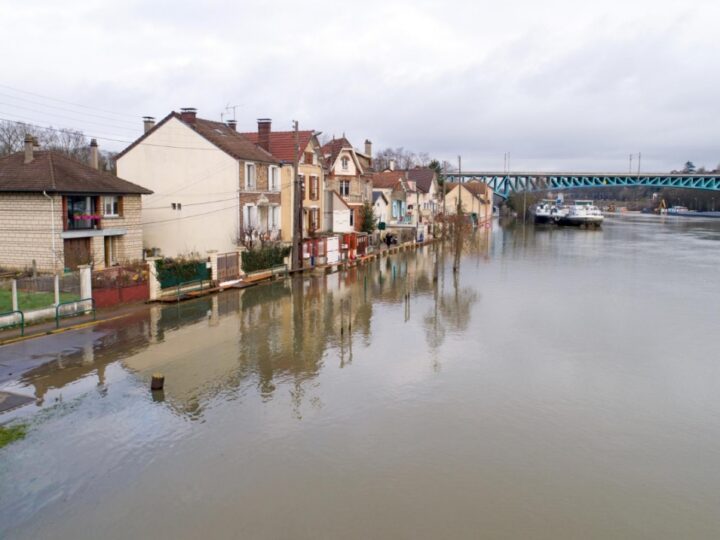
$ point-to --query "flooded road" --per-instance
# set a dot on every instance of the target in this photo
(566, 384)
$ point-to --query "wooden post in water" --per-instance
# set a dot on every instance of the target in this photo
(158, 381)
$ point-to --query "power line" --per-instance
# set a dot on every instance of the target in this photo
(123, 128)
(192, 216)
(190, 204)
(33, 102)
(68, 102)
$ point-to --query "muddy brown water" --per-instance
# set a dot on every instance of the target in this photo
(566, 384)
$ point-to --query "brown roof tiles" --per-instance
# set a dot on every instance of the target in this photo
(56, 173)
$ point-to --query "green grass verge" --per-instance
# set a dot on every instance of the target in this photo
(29, 300)
(12, 434)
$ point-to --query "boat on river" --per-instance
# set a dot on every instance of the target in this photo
(548, 211)
(582, 213)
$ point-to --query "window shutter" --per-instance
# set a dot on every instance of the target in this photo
(308, 158)
(65, 216)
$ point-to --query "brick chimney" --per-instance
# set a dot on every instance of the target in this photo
(232, 124)
(187, 115)
(148, 123)
(29, 147)
(94, 161)
(264, 129)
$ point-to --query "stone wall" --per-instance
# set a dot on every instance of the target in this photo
(26, 224)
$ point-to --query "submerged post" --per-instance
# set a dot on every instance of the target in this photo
(158, 381)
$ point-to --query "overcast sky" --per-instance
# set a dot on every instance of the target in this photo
(559, 84)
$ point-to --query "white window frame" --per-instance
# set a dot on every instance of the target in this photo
(273, 178)
(249, 165)
(344, 163)
(342, 183)
(247, 221)
(115, 203)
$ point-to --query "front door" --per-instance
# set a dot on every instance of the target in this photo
(77, 252)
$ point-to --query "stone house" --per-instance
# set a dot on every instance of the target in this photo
(214, 188)
(58, 213)
(311, 168)
(349, 174)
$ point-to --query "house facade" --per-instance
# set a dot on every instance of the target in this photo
(428, 193)
(349, 175)
(381, 207)
(475, 200)
(394, 186)
(57, 213)
(213, 188)
(311, 169)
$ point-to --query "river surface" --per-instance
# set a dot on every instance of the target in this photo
(564, 385)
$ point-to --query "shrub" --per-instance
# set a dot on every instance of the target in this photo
(264, 257)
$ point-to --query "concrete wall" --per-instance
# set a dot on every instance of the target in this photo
(26, 223)
(182, 167)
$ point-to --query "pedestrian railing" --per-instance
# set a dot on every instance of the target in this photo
(14, 324)
(85, 311)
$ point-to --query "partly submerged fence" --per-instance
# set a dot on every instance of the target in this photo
(120, 285)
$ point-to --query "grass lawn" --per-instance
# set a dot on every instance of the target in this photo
(28, 301)
(12, 433)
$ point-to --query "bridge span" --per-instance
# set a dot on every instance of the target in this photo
(503, 184)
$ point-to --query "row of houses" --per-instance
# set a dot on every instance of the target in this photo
(189, 185)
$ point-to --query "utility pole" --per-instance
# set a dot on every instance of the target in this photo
(639, 160)
(297, 205)
(458, 219)
(630, 166)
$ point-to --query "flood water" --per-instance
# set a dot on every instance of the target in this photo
(564, 385)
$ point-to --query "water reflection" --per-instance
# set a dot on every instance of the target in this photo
(261, 338)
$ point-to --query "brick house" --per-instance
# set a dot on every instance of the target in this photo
(214, 188)
(349, 174)
(311, 168)
(60, 213)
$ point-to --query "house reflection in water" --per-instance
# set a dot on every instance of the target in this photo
(221, 347)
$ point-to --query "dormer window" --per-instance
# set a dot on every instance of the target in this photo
(345, 163)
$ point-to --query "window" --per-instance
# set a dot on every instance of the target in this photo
(345, 188)
(250, 176)
(111, 206)
(274, 180)
(274, 218)
(309, 158)
(345, 163)
(250, 217)
(352, 218)
(314, 188)
(81, 212)
(302, 186)
(314, 219)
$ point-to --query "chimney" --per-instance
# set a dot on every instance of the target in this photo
(264, 128)
(148, 123)
(94, 162)
(29, 147)
(368, 148)
(232, 124)
(392, 164)
(187, 114)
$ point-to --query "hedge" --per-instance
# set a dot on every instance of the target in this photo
(264, 258)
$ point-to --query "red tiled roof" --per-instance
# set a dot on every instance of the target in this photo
(56, 173)
(387, 179)
(282, 143)
(423, 177)
(224, 137)
(331, 149)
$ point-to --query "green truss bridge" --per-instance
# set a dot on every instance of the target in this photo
(503, 184)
